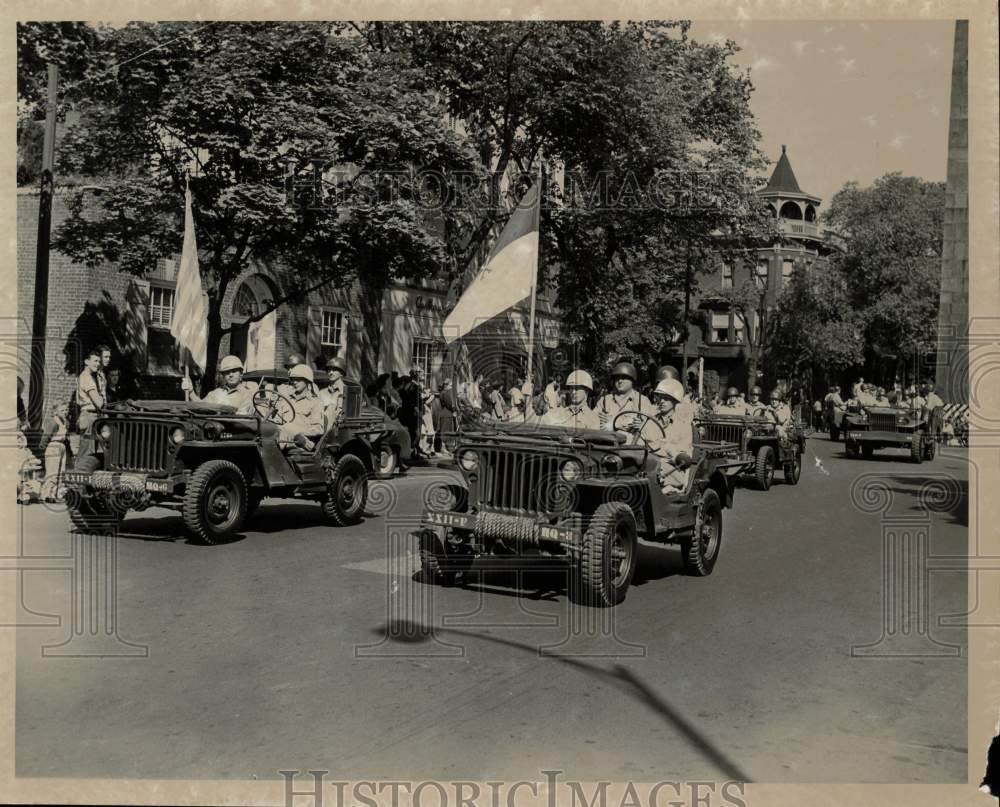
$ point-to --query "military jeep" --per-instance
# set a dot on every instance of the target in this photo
(216, 466)
(869, 429)
(582, 496)
(758, 450)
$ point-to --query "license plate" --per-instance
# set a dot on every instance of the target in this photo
(448, 520)
(159, 485)
(75, 477)
(550, 533)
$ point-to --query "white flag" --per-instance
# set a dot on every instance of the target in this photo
(189, 325)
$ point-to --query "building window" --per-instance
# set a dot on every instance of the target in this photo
(761, 275)
(727, 275)
(787, 267)
(739, 328)
(161, 306)
(720, 327)
(331, 332)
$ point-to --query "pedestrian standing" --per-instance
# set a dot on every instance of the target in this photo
(89, 391)
(55, 446)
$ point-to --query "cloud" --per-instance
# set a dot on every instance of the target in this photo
(871, 120)
(762, 63)
(838, 49)
(848, 65)
(800, 46)
(898, 140)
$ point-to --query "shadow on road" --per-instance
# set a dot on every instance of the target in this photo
(936, 494)
(619, 676)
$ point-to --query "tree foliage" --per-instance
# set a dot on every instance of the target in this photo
(242, 106)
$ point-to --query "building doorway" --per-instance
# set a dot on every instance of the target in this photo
(254, 341)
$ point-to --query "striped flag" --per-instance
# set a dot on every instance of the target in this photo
(189, 325)
(508, 275)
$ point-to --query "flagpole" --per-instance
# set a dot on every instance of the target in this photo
(534, 288)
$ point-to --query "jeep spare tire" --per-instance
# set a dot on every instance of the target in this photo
(608, 557)
(346, 491)
(215, 502)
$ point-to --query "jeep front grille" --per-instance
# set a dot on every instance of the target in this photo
(882, 422)
(724, 432)
(513, 480)
(137, 445)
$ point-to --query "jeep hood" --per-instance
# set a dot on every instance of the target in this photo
(173, 407)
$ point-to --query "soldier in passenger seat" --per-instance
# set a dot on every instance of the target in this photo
(307, 425)
(675, 444)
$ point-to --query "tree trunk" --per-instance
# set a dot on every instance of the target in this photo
(214, 338)
(373, 285)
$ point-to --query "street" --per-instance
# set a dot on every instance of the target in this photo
(302, 646)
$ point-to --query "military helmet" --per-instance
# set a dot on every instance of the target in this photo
(732, 392)
(670, 387)
(230, 363)
(292, 360)
(627, 369)
(303, 371)
(580, 378)
(667, 371)
(336, 363)
(777, 394)
(756, 391)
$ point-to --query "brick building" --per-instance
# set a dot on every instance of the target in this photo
(132, 315)
(716, 332)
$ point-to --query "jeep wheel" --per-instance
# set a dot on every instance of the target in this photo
(930, 447)
(437, 566)
(346, 491)
(917, 450)
(868, 451)
(765, 467)
(215, 503)
(388, 461)
(701, 550)
(607, 557)
(793, 469)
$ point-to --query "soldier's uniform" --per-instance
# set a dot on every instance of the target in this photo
(737, 408)
(676, 438)
(611, 404)
(308, 418)
(572, 417)
(240, 396)
(332, 399)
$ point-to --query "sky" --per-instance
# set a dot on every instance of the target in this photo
(850, 100)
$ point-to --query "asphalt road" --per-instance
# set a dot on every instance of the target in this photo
(299, 646)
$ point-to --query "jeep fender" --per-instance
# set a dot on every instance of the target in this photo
(720, 483)
(631, 491)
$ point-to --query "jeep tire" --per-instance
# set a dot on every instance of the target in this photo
(93, 514)
(215, 502)
(608, 556)
(346, 491)
(700, 551)
(764, 470)
(930, 447)
(917, 449)
(793, 469)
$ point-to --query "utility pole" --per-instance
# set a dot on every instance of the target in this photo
(36, 395)
(687, 314)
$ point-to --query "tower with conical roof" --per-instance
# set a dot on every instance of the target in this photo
(788, 202)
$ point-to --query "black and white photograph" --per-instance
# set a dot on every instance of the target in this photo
(499, 412)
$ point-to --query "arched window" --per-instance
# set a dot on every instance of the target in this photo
(810, 213)
(790, 210)
(245, 302)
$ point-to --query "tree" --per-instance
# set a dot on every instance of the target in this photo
(892, 264)
(258, 116)
(654, 131)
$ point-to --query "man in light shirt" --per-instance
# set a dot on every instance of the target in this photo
(576, 414)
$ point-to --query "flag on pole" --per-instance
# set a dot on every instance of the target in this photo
(189, 325)
(508, 275)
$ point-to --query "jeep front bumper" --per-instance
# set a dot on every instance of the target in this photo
(511, 529)
(107, 481)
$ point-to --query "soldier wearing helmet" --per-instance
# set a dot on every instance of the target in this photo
(624, 398)
(293, 360)
(669, 435)
(332, 397)
(234, 390)
(755, 405)
(732, 405)
(575, 414)
(781, 413)
(307, 425)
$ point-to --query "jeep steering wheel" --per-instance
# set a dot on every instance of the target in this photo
(638, 433)
(266, 403)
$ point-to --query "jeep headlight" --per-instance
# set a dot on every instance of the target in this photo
(177, 435)
(105, 432)
(212, 430)
(571, 470)
(612, 463)
(469, 460)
